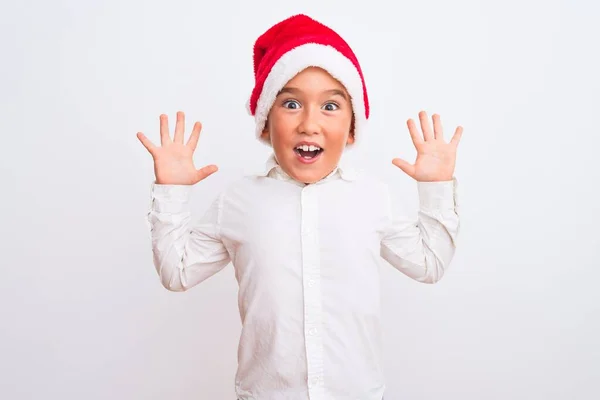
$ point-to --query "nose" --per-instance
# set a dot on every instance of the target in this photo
(310, 123)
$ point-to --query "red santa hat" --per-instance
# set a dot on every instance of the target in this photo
(289, 47)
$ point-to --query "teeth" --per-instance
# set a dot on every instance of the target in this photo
(308, 148)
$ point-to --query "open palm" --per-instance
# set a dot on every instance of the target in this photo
(173, 160)
(436, 159)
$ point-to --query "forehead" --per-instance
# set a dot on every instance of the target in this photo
(315, 79)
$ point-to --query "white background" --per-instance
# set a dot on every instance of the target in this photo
(83, 314)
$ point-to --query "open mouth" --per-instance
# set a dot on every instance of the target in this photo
(308, 152)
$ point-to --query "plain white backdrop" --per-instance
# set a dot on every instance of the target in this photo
(82, 312)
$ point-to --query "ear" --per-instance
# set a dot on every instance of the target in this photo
(351, 137)
(265, 133)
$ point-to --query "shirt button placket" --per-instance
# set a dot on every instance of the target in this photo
(311, 272)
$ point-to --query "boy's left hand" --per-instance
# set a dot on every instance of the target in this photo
(435, 158)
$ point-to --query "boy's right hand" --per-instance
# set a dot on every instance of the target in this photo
(173, 162)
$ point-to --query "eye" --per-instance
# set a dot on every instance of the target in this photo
(291, 104)
(331, 106)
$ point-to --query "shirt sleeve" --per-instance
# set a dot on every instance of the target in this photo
(184, 254)
(423, 249)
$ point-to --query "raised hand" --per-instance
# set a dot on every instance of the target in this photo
(436, 159)
(173, 162)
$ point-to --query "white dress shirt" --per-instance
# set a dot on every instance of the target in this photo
(306, 258)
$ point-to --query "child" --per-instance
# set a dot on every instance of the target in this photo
(306, 235)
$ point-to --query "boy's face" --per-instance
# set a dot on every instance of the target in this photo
(314, 110)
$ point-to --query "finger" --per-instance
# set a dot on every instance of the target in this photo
(146, 142)
(414, 132)
(408, 168)
(164, 130)
(193, 140)
(205, 172)
(438, 132)
(456, 137)
(425, 127)
(179, 128)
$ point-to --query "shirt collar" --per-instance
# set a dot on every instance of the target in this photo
(273, 169)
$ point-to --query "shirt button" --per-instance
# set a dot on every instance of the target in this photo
(312, 331)
(311, 283)
(313, 382)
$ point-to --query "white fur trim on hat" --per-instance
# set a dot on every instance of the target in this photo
(297, 60)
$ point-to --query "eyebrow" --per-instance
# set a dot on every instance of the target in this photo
(293, 90)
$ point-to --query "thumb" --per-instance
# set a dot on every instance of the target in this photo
(205, 172)
(408, 168)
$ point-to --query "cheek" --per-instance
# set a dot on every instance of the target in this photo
(281, 132)
(343, 123)
(277, 139)
(340, 132)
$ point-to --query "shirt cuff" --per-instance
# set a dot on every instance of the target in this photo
(438, 195)
(170, 198)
